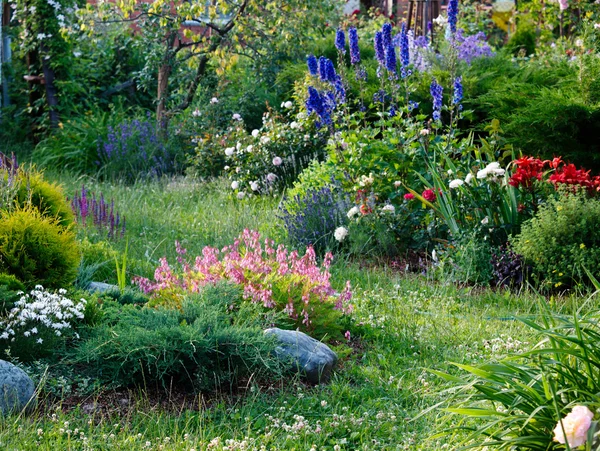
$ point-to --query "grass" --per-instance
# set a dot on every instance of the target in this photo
(405, 327)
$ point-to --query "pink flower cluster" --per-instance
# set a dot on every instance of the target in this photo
(273, 277)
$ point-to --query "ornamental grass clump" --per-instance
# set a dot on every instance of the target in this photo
(535, 400)
(276, 278)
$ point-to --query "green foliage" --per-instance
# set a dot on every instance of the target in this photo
(562, 239)
(9, 287)
(518, 401)
(197, 346)
(97, 260)
(37, 249)
(523, 41)
(126, 297)
(467, 260)
(48, 198)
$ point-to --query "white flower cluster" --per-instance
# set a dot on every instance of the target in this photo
(41, 308)
(492, 171)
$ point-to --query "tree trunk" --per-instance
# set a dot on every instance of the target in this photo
(164, 72)
(51, 91)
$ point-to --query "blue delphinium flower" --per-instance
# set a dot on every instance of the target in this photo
(314, 101)
(436, 91)
(313, 65)
(453, 15)
(340, 40)
(390, 60)
(331, 75)
(379, 49)
(386, 34)
(412, 105)
(321, 104)
(471, 47)
(404, 51)
(353, 43)
(458, 92)
(323, 68)
(392, 111)
(340, 90)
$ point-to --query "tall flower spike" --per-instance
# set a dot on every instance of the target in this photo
(437, 93)
(458, 92)
(330, 74)
(453, 15)
(390, 60)
(353, 43)
(312, 64)
(340, 40)
(379, 49)
(386, 33)
(323, 68)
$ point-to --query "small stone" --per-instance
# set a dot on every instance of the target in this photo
(101, 287)
(16, 388)
(304, 355)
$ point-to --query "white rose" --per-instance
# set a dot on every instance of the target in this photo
(277, 161)
(255, 133)
(353, 212)
(288, 104)
(235, 185)
(388, 208)
(254, 186)
(229, 151)
(241, 195)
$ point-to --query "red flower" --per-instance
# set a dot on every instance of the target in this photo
(528, 170)
(409, 196)
(428, 195)
(365, 209)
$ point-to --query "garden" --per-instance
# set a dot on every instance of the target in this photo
(253, 225)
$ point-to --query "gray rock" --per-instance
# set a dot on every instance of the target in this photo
(101, 287)
(16, 388)
(304, 355)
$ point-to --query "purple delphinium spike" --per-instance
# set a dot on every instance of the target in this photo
(323, 68)
(379, 49)
(458, 92)
(386, 34)
(353, 44)
(436, 91)
(312, 64)
(452, 15)
(340, 40)
(390, 60)
(404, 46)
(83, 204)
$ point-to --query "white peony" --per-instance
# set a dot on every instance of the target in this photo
(340, 233)
(456, 183)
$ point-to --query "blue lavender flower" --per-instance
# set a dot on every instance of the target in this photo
(453, 15)
(390, 60)
(379, 49)
(458, 92)
(353, 43)
(436, 91)
(340, 40)
(386, 34)
(311, 61)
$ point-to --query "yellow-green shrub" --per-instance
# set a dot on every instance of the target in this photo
(47, 197)
(37, 249)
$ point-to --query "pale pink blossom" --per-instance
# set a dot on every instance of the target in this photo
(573, 428)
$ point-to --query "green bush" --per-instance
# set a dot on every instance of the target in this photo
(468, 260)
(36, 249)
(200, 346)
(562, 239)
(47, 197)
(9, 288)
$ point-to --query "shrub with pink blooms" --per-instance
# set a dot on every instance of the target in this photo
(274, 277)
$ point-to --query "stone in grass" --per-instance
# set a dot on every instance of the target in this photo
(16, 388)
(304, 354)
(101, 287)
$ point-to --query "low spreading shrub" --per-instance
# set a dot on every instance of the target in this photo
(563, 240)
(37, 249)
(275, 278)
(202, 345)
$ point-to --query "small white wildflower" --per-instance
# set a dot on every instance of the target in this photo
(254, 186)
(235, 185)
(196, 113)
(271, 177)
(277, 161)
(485, 220)
(214, 100)
(288, 104)
(388, 208)
(236, 117)
(241, 195)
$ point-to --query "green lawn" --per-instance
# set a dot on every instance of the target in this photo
(408, 325)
